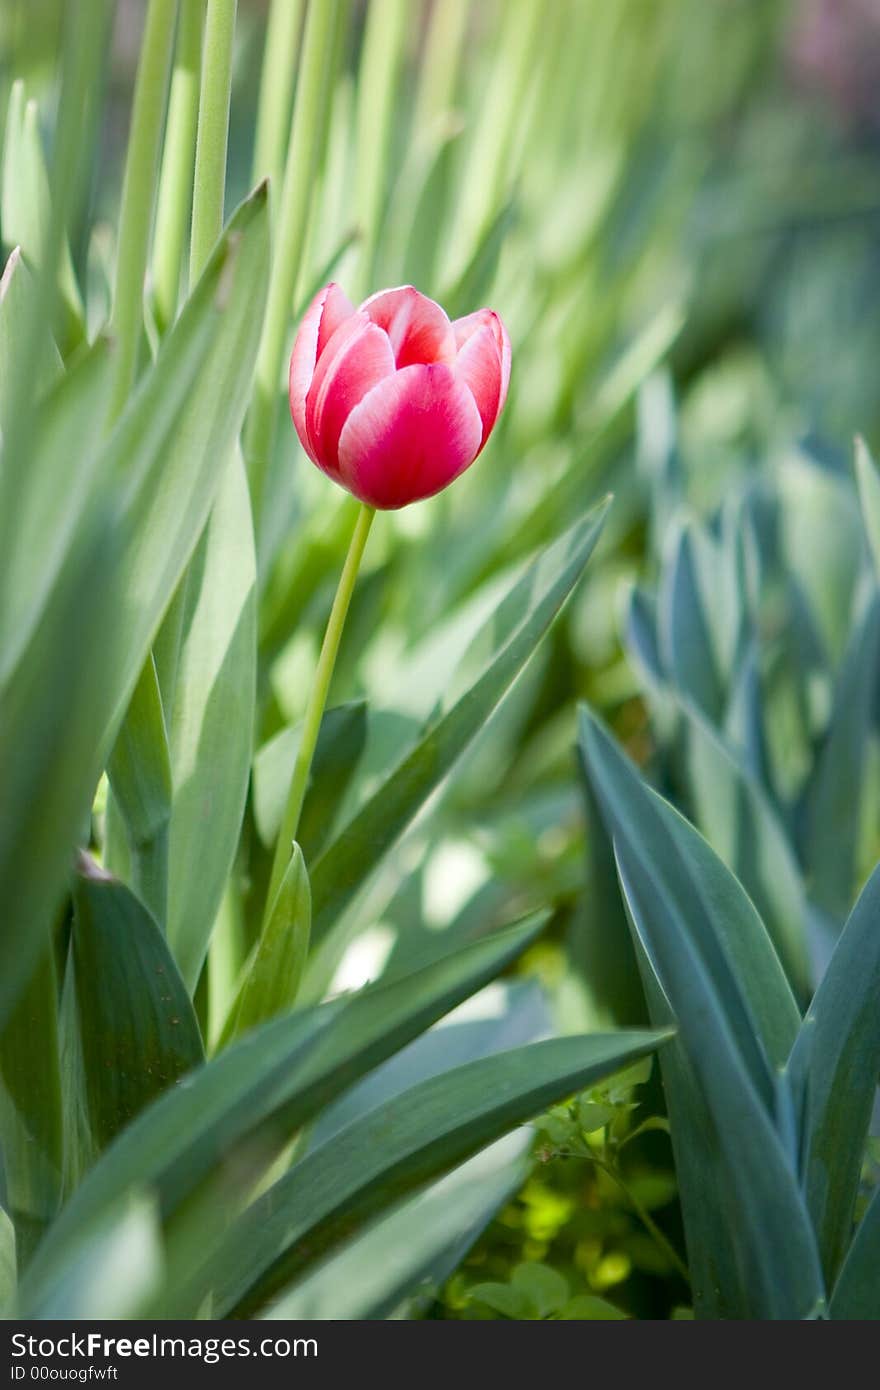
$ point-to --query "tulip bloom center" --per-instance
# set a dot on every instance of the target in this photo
(393, 400)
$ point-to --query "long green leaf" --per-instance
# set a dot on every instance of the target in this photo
(508, 641)
(135, 1030)
(738, 819)
(273, 973)
(211, 719)
(857, 1291)
(718, 920)
(251, 1098)
(760, 1199)
(31, 1129)
(868, 481)
(70, 686)
(25, 211)
(18, 303)
(377, 1160)
(835, 795)
(834, 1068)
(174, 440)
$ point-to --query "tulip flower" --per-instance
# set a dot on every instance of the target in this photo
(392, 400)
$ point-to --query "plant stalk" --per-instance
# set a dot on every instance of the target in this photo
(316, 704)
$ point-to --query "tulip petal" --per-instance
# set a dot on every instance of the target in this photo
(419, 329)
(355, 359)
(478, 365)
(329, 308)
(409, 437)
(465, 328)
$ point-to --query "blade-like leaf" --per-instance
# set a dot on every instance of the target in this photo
(210, 719)
(509, 640)
(174, 440)
(135, 1030)
(139, 771)
(18, 302)
(869, 497)
(857, 1291)
(714, 915)
(253, 1096)
(738, 820)
(8, 1275)
(686, 627)
(413, 1249)
(162, 465)
(332, 1192)
(834, 1068)
(273, 973)
(834, 798)
(772, 1236)
(25, 213)
(31, 1131)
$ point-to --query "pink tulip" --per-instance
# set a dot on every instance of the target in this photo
(392, 400)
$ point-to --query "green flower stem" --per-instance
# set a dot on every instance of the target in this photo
(213, 133)
(178, 162)
(317, 702)
(308, 129)
(276, 91)
(138, 187)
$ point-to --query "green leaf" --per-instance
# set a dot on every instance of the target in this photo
(688, 625)
(113, 1269)
(761, 1201)
(714, 915)
(272, 975)
(25, 211)
(51, 521)
(834, 1068)
(8, 1266)
(210, 718)
(135, 1030)
(503, 1299)
(738, 819)
(18, 303)
(335, 1189)
(341, 741)
(409, 1252)
(173, 442)
(857, 1291)
(718, 1282)
(31, 1131)
(869, 497)
(836, 791)
(545, 1288)
(253, 1096)
(508, 641)
(590, 1308)
(159, 473)
(139, 772)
